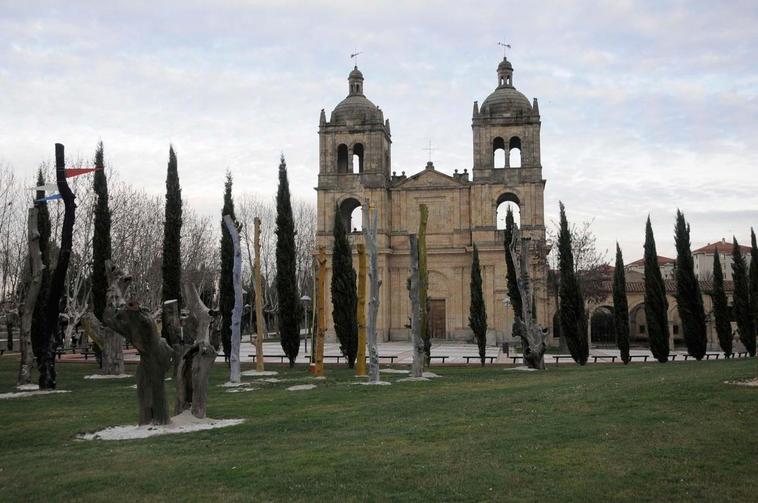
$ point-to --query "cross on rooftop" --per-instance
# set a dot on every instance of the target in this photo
(429, 149)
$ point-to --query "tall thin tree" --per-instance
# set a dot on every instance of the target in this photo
(656, 304)
(226, 283)
(172, 233)
(689, 299)
(477, 318)
(289, 309)
(344, 292)
(573, 316)
(621, 307)
(101, 239)
(721, 314)
(510, 272)
(741, 296)
(753, 280)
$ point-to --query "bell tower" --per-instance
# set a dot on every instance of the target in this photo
(506, 130)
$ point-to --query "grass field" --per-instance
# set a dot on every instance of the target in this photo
(672, 432)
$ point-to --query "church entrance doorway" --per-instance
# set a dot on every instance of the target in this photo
(437, 318)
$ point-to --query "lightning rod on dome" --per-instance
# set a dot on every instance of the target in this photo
(504, 46)
(355, 57)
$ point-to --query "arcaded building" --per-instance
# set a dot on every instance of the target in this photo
(355, 171)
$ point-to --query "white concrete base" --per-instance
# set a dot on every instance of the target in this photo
(183, 423)
(107, 376)
(22, 394)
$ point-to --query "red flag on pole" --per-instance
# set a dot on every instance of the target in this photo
(72, 172)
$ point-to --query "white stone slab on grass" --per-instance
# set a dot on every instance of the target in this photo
(523, 368)
(413, 379)
(257, 373)
(22, 394)
(376, 383)
(394, 371)
(183, 423)
(301, 387)
(28, 387)
(107, 376)
(230, 384)
(430, 375)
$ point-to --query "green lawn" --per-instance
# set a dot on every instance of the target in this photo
(645, 432)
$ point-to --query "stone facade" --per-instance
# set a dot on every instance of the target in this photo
(355, 171)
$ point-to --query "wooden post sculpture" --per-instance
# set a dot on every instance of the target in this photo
(260, 321)
(318, 358)
(197, 360)
(417, 367)
(374, 284)
(46, 356)
(234, 359)
(27, 308)
(423, 283)
(360, 364)
(534, 336)
(110, 343)
(137, 326)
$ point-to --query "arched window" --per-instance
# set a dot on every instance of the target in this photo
(505, 201)
(602, 325)
(498, 153)
(352, 215)
(358, 158)
(514, 152)
(342, 158)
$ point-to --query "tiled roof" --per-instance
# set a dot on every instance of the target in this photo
(721, 246)
(661, 261)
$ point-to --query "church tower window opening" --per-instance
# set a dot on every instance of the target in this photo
(498, 153)
(514, 152)
(358, 158)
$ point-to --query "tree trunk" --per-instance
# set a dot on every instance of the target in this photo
(260, 321)
(137, 326)
(533, 336)
(197, 360)
(374, 284)
(360, 359)
(234, 358)
(417, 368)
(27, 308)
(110, 343)
(171, 329)
(423, 283)
(46, 359)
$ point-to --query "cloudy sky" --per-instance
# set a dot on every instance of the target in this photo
(646, 106)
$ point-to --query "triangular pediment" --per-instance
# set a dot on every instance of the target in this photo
(430, 179)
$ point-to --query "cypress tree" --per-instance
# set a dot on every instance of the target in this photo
(621, 307)
(45, 229)
(656, 304)
(754, 281)
(688, 296)
(290, 311)
(172, 232)
(510, 270)
(572, 314)
(744, 317)
(477, 318)
(226, 281)
(721, 308)
(101, 239)
(344, 292)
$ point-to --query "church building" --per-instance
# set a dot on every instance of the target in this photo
(355, 171)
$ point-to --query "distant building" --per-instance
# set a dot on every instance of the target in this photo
(703, 258)
(666, 264)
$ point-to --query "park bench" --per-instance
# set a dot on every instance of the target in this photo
(604, 357)
(562, 357)
(515, 358)
(281, 357)
(741, 354)
(391, 358)
(469, 358)
(438, 357)
(708, 356)
(86, 352)
(644, 357)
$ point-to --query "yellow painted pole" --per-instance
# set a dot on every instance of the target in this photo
(320, 306)
(260, 321)
(360, 363)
